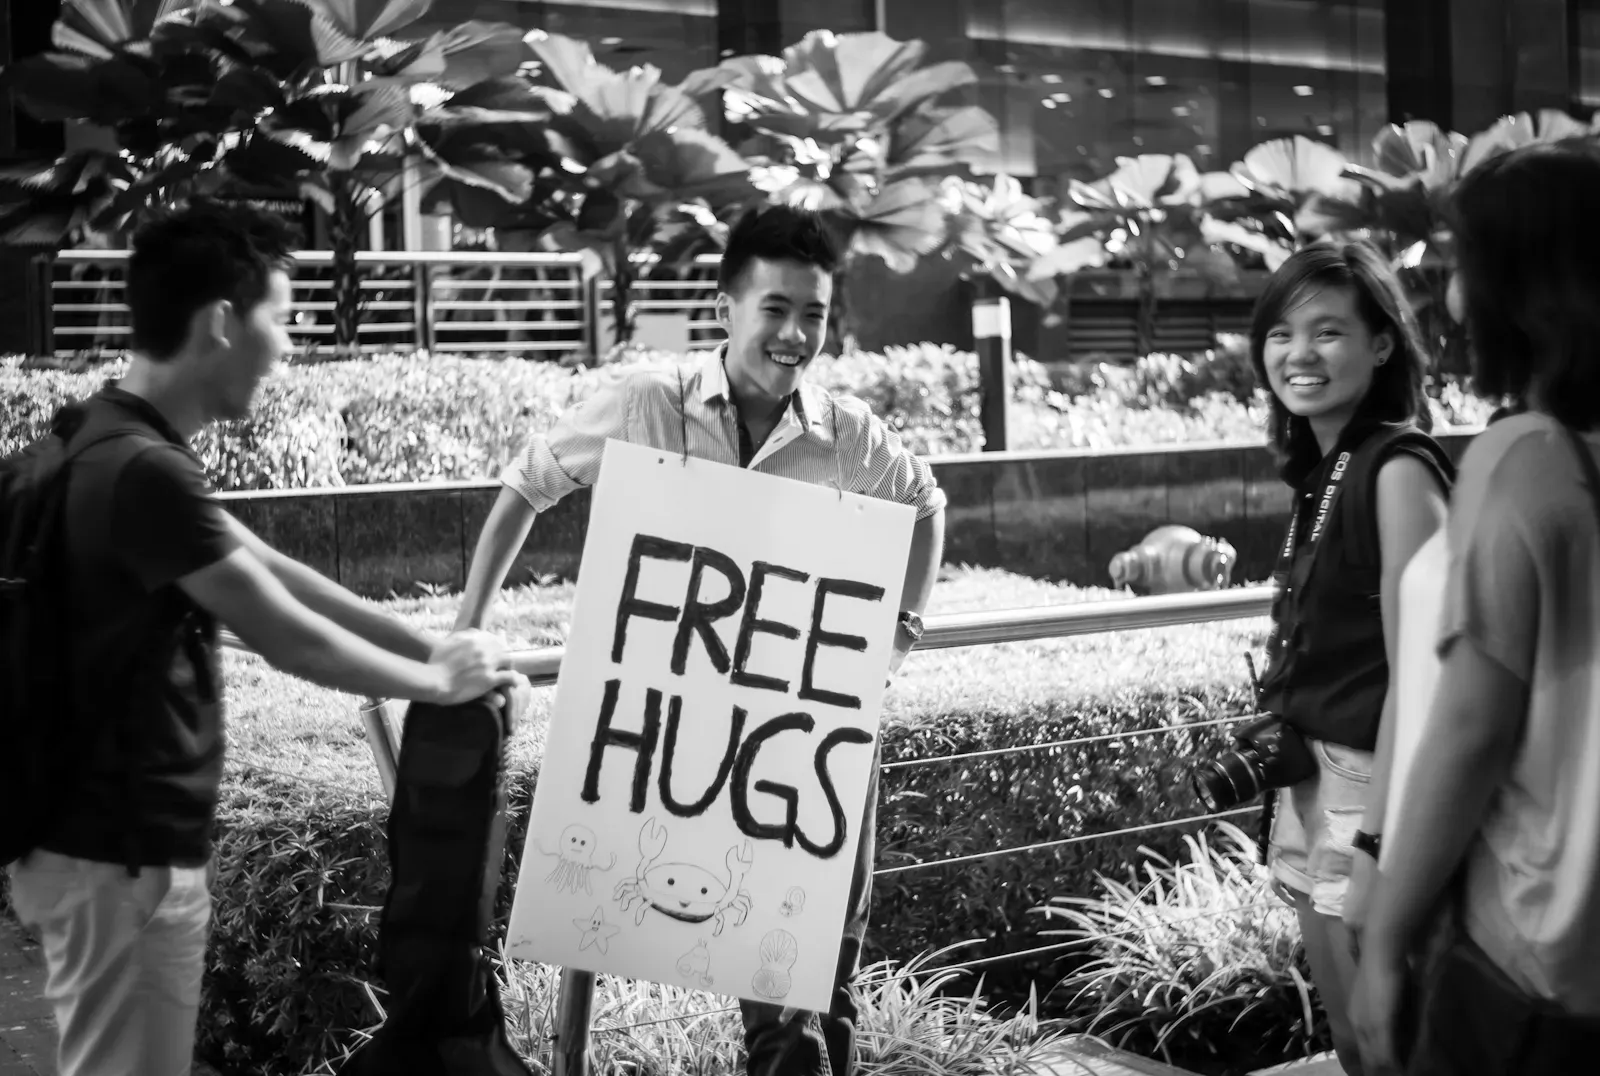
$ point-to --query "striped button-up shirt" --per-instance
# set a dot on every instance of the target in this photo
(822, 439)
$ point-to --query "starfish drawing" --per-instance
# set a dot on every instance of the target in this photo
(596, 931)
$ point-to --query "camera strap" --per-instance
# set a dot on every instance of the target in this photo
(1288, 579)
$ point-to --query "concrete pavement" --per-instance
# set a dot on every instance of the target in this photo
(27, 1032)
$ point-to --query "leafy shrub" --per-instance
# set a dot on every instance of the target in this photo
(296, 862)
(292, 441)
(1202, 954)
(415, 418)
(1019, 797)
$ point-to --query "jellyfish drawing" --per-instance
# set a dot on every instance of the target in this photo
(574, 857)
(696, 964)
(794, 902)
(778, 953)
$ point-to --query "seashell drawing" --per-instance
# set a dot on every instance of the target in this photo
(778, 953)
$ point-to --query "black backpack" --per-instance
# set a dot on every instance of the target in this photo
(41, 738)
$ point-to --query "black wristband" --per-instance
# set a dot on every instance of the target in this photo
(1367, 842)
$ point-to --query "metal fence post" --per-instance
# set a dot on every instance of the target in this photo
(42, 301)
(589, 296)
(574, 1010)
(382, 723)
(422, 303)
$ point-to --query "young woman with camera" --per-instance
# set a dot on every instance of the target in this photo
(1496, 838)
(1334, 339)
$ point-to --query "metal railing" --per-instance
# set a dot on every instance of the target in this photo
(452, 301)
(542, 666)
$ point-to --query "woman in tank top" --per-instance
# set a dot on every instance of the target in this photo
(1336, 342)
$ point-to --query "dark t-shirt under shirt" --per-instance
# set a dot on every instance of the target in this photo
(141, 516)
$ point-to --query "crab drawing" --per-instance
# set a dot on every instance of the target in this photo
(684, 891)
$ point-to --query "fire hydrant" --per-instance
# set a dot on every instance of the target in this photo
(1174, 560)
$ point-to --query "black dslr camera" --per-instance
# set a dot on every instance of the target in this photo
(1267, 754)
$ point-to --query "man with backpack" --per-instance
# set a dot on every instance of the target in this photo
(116, 565)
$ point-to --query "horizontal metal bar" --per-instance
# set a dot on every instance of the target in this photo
(367, 304)
(442, 305)
(91, 330)
(675, 306)
(364, 328)
(367, 284)
(504, 326)
(1090, 618)
(1014, 625)
(1082, 838)
(368, 257)
(513, 345)
(1105, 737)
(525, 283)
(90, 308)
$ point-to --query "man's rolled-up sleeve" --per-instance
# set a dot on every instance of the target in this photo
(886, 469)
(567, 455)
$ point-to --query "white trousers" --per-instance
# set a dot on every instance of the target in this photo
(124, 957)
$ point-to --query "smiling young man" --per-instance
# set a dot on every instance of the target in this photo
(116, 884)
(747, 405)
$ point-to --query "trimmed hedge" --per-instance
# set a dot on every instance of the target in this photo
(442, 417)
(286, 967)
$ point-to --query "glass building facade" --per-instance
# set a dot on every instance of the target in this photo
(1074, 84)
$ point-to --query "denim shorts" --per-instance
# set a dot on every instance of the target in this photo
(1315, 826)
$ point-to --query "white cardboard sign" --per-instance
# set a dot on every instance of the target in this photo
(697, 812)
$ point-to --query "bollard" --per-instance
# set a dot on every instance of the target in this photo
(991, 332)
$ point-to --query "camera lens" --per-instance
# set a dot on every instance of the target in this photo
(1227, 782)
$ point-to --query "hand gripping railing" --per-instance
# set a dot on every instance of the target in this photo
(543, 666)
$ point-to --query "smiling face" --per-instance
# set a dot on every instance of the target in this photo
(776, 317)
(1320, 357)
(684, 891)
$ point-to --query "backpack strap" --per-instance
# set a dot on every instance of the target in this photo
(1361, 504)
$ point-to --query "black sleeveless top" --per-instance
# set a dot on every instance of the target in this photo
(1328, 670)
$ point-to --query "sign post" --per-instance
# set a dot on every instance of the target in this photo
(715, 724)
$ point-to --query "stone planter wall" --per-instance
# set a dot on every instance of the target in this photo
(1052, 515)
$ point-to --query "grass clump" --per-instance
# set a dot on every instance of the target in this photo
(1198, 964)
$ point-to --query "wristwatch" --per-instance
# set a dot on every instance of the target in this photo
(1367, 842)
(911, 624)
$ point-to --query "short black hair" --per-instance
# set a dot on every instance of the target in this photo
(1396, 394)
(187, 257)
(1527, 235)
(777, 233)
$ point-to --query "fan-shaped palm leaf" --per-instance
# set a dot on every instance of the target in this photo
(366, 20)
(847, 72)
(1141, 183)
(1420, 151)
(1523, 129)
(1296, 167)
(904, 222)
(694, 166)
(929, 141)
(100, 28)
(611, 109)
(459, 57)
